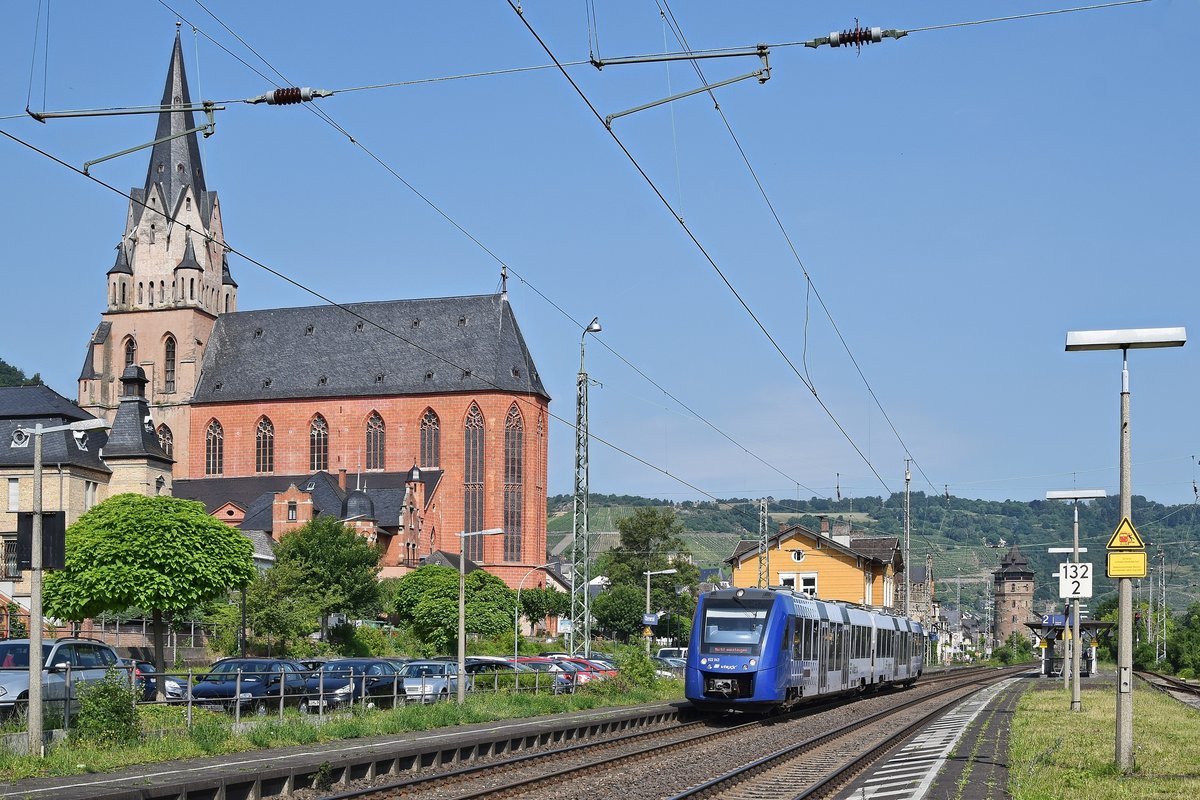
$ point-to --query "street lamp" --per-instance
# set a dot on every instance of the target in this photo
(1076, 645)
(671, 571)
(581, 603)
(20, 438)
(517, 609)
(462, 605)
(1125, 340)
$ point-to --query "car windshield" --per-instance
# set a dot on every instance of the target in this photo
(570, 666)
(230, 667)
(16, 654)
(424, 670)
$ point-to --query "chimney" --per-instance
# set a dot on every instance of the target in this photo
(342, 479)
(824, 525)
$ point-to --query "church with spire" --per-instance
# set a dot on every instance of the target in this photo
(410, 420)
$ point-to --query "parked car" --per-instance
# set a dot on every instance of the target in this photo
(79, 660)
(259, 687)
(345, 681)
(145, 680)
(583, 671)
(560, 679)
(672, 652)
(430, 680)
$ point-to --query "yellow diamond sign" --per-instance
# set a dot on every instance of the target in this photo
(1125, 537)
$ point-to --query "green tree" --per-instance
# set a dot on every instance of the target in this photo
(427, 601)
(619, 611)
(278, 609)
(336, 569)
(14, 376)
(158, 553)
(539, 603)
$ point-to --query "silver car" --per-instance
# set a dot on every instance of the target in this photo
(66, 665)
(430, 681)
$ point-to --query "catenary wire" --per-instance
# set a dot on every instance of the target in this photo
(810, 286)
(429, 202)
(703, 251)
(367, 320)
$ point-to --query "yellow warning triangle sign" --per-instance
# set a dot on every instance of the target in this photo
(1126, 537)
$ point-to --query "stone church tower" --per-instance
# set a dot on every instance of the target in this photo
(1013, 583)
(169, 281)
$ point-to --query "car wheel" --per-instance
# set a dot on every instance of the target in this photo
(260, 708)
(303, 708)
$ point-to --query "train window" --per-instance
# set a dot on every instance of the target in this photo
(734, 627)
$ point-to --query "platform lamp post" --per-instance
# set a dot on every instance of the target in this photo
(517, 609)
(1125, 340)
(462, 606)
(1076, 644)
(671, 571)
(21, 438)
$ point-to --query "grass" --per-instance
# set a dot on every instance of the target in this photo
(212, 732)
(1055, 754)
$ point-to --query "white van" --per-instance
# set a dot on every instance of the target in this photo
(672, 652)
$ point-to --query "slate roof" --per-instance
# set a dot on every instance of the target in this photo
(449, 345)
(264, 545)
(1014, 564)
(880, 548)
(24, 407)
(256, 495)
(122, 264)
(444, 559)
(100, 336)
(189, 257)
(226, 276)
(133, 434)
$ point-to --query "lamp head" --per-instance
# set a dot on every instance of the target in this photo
(593, 326)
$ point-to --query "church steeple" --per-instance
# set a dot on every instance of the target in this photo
(175, 165)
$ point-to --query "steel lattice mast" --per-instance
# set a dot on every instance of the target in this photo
(579, 637)
(764, 560)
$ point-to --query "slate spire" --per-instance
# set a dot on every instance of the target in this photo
(133, 434)
(175, 165)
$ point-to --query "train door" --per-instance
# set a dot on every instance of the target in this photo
(824, 651)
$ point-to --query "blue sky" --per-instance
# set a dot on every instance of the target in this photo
(961, 198)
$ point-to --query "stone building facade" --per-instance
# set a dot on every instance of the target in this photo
(257, 403)
(1013, 583)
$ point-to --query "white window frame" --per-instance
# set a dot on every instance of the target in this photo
(797, 580)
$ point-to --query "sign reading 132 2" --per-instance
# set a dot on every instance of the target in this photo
(1074, 580)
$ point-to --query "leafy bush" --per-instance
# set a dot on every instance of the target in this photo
(108, 711)
(1187, 674)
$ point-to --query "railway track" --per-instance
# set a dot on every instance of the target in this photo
(548, 771)
(1169, 683)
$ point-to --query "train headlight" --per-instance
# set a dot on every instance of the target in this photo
(753, 662)
(740, 593)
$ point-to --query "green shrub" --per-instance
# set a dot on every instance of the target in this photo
(1187, 673)
(108, 711)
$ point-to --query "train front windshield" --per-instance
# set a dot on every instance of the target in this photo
(734, 627)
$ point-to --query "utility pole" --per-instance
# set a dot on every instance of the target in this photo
(907, 532)
(579, 637)
(1160, 652)
(764, 556)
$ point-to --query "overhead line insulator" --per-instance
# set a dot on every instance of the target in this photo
(290, 95)
(856, 37)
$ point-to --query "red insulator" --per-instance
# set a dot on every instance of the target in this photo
(284, 97)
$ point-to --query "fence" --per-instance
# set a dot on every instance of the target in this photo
(133, 633)
(313, 694)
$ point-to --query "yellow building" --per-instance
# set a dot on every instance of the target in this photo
(829, 566)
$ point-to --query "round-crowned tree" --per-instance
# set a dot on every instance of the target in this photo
(163, 554)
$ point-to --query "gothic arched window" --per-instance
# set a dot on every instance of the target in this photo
(166, 440)
(169, 364)
(318, 444)
(264, 446)
(514, 482)
(431, 439)
(375, 441)
(130, 351)
(214, 449)
(473, 482)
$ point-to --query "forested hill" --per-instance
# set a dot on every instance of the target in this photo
(966, 537)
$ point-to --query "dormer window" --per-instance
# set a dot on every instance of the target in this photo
(416, 323)
(267, 383)
(160, 172)
(358, 327)
(429, 375)
(516, 373)
(308, 331)
(188, 204)
(258, 333)
(321, 381)
(466, 373)
(462, 321)
(218, 386)
(379, 378)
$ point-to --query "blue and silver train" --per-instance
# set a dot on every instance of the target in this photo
(765, 649)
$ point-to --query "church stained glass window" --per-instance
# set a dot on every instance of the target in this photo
(264, 446)
(431, 439)
(318, 444)
(166, 440)
(214, 449)
(376, 440)
(514, 486)
(473, 482)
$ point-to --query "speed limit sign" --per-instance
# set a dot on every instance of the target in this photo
(1074, 580)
